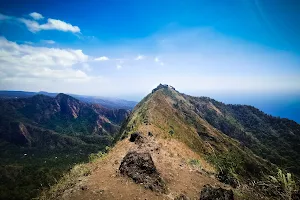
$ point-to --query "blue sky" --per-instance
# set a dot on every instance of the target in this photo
(125, 48)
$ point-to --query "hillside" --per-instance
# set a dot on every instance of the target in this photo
(42, 137)
(272, 138)
(180, 146)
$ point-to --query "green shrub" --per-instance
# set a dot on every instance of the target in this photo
(195, 163)
(285, 181)
(94, 156)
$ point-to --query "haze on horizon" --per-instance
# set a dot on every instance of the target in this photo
(227, 50)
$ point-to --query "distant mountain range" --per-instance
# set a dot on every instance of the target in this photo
(113, 103)
(49, 134)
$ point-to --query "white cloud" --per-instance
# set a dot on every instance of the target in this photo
(18, 62)
(119, 66)
(102, 58)
(52, 24)
(48, 41)
(34, 26)
(36, 16)
(55, 24)
(140, 57)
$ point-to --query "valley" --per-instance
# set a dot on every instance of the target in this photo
(43, 137)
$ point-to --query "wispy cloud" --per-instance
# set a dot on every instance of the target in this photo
(4, 17)
(157, 60)
(52, 24)
(102, 58)
(48, 41)
(140, 57)
(119, 66)
(34, 26)
(36, 16)
(28, 42)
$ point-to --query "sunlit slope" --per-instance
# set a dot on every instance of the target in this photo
(167, 114)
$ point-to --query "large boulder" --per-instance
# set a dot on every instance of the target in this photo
(140, 167)
(211, 193)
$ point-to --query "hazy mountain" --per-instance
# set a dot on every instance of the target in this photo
(113, 103)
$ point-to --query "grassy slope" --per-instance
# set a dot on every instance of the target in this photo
(272, 138)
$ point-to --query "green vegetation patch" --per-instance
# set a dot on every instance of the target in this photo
(195, 163)
(66, 182)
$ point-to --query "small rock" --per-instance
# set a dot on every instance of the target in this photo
(100, 191)
(150, 134)
(84, 187)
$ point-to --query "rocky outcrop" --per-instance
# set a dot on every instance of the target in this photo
(210, 193)
(137, 138)
(160, 86)
(17, 133)
(69, 105)
(140, 167)
(181, 197)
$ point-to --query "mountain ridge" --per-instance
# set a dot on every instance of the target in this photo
(188, 151)
(171, 145)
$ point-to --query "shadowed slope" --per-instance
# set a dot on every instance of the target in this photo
(272, 138)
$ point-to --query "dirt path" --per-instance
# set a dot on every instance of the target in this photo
(171, 160)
